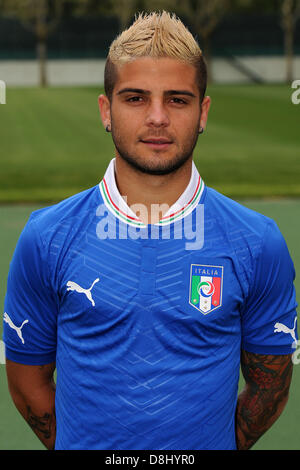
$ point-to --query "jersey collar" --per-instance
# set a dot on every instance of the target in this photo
(184, 205)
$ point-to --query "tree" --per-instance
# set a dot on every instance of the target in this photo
(290, 13)
(41, 17)
(122, 9)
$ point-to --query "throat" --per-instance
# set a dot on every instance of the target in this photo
(151, 197)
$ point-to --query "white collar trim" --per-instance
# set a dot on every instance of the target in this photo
(188, 200)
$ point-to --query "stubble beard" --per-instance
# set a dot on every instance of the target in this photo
(160, 166)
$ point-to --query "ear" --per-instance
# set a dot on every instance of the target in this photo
(205, 105)
(104, 108)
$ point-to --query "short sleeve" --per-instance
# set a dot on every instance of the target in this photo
(30, 309)
(269, 317)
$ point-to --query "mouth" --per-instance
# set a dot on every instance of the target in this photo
(157, 142)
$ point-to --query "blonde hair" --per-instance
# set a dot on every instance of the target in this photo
(154, 35)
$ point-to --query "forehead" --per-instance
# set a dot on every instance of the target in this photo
(159, 74)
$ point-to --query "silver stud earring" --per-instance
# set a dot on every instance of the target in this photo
(201, 130)
(107, 128)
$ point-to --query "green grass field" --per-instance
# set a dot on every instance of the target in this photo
(52, 145)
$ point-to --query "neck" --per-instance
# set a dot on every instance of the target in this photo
(150, 196)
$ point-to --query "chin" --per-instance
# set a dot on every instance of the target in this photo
(154, 163)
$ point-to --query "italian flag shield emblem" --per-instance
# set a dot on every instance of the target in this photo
(206, 284)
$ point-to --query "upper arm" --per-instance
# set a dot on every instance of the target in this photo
(271, 374)
(264, 397)
(26, 377)
(32, 389)
(27, 382)
(30, 315)
(268, 315)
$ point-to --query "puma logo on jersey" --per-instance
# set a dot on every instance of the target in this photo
(73, 286)
(18, 329)
(281, 328)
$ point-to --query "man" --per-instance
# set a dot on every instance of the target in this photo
(148, 291)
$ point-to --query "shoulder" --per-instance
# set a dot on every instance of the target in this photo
(244, 226)
(50, 231)
(236, 215)
(67, 212)
(252, 236)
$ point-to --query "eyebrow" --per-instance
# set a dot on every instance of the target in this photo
(146, 92)
(181, 92)
(133, 90)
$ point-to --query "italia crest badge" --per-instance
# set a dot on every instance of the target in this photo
(206, 285)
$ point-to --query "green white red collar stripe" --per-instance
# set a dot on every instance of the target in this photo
(186, 209)
(188, 200)
(115, 209)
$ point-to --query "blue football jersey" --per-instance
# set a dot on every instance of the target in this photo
(146, 322)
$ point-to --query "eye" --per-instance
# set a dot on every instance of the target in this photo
(177, 100)
(134, 99)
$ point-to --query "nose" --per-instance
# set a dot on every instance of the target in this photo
(157, 115)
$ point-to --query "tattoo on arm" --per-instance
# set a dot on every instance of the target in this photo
(41, 425)
(261, 402)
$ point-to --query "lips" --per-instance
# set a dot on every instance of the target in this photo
(157, 143)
